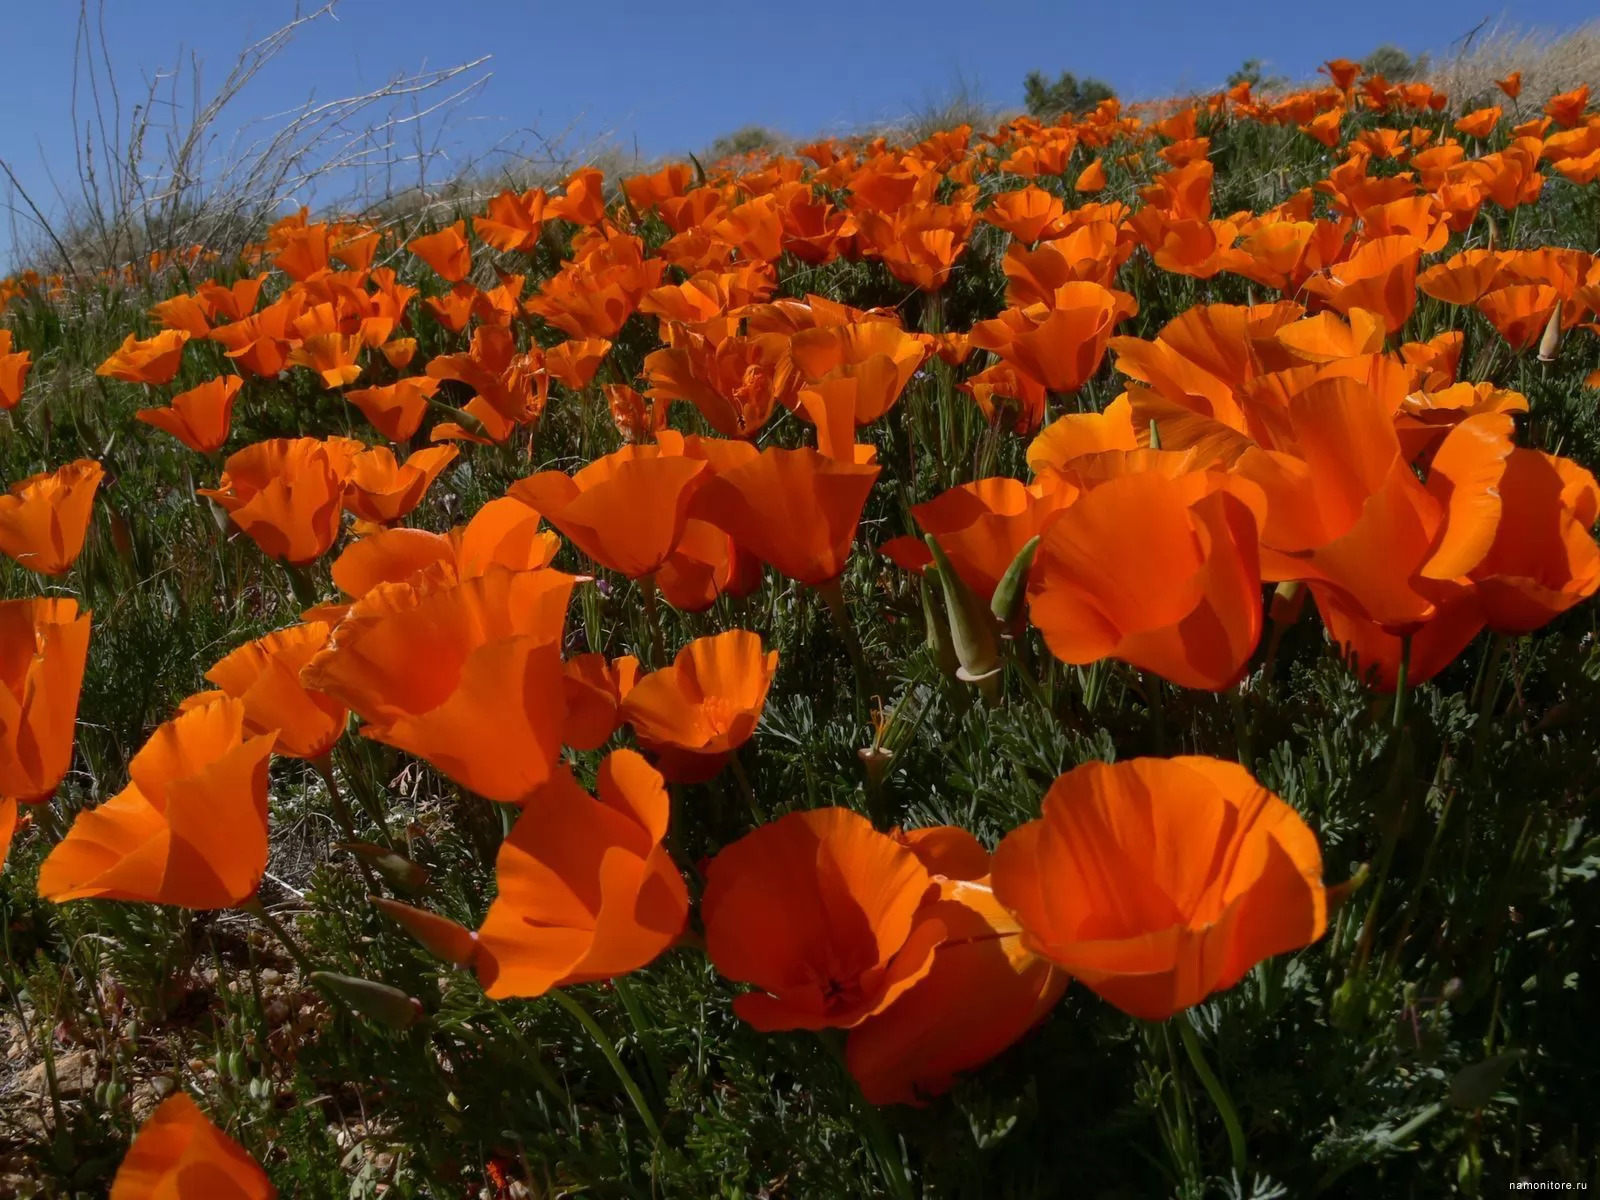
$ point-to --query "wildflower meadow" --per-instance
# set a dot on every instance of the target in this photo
(1048, 660)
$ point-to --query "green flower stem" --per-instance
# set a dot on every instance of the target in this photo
(609, 1049)
(879, 1138)
(1214, 1089)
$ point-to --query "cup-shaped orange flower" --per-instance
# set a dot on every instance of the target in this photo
(189, 829)
(594, 691)
(153, 360)
(985, 991)
(820, 912)
(44, 519)
(330, 356)
(468, 677)
(1156, 882)
(179, 1155)
(735, 383)
(446, 251)
(382, 489)
(1543, 560)
(14, 368)
(1161, 573)
(879, 355)
(796, 510)
(695, 713)
(264, 676)
(1381, 276)
(201, 417)
(396, 409)
(285, 494)
(44, 644)
(1061, 346)
(586, 890)
(626, 510)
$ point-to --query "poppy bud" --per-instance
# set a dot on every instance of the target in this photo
(944, 653)
(971, 629)
(396, 868)
(1006, 605)
(388, 1006)
(1550, 343)
(439, 936)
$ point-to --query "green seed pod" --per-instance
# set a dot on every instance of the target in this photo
(971, 628)
(1007, 603)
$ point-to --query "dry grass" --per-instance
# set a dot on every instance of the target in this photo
(1550, 62)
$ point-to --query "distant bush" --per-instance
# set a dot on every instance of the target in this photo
(1394, 64)
(746, 140)
(1068, 94)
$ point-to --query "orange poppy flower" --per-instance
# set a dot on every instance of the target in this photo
(446, 251)
(625, 510)
(1480, 122)
(636, 418)
(1380, 276)
(1091, 179)
(1566, 109)
(820, 912)
(510, 386)
(921, 242)
(1543, 560)
(644, 192)
(1181, 599)
(1511, 85)
(396, 410)
(155, 360)
(286, 494)
(398, 352)
(985, 991)
(1373, 651)
(595, 690)
(735, 383)
(179, 1155)
(190, 828)
(1027, 214)
(586, 890)
(1463, 278)
(201, 417)
(795, 510)
(454, 309)
(182, 312)
(231, 302)
(44, 644)
(260, 343)
(583, 200)
(705, 564)
(574, 362)
(14, 367)
(880, 356)
(1156, 882)
(1063, 346)
(981, 527)
(331, 356)
(695, 713)
(467, 677)
(1520, 311)
(1090, 253)
(382, 490)
(264, 676)
(1342, 72)
(512, 222)
(44, 518)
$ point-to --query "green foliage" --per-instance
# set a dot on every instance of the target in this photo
(747, 139)
(1394, 64)
(1066, 94)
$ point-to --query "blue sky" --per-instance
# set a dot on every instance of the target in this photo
(671, 77)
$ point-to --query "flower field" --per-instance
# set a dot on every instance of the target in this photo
(1058, 660)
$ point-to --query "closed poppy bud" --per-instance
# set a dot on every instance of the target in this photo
(468, 677)
(200, 417)
(44, 518)
(986, 989)
(382, 490)
(155, 360)
(971, 627)
(824, 915)
(285, 494)
(586, 889)
(264, 675)
(446, 251)
(439, 936)
(796, 510)
(695, 713)
(388, 1006)
(626, 510)
(1160, 573)
(1156, 882)
(44, 644)
(179, 1155)
(190, 828)
(1008, 595)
